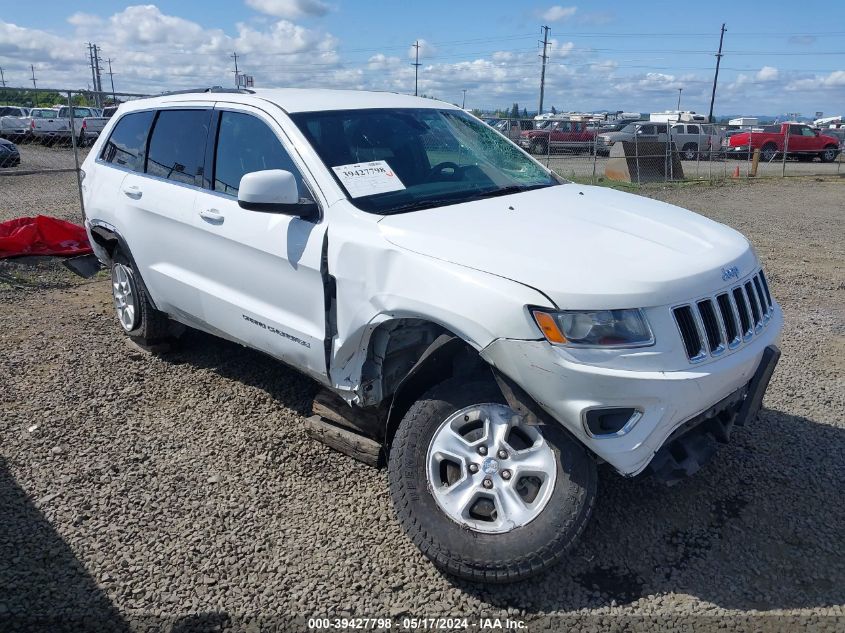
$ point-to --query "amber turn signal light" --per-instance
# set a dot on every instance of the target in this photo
(548, 326)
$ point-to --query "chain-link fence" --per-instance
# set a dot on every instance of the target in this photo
(646, 151)
(45, 135)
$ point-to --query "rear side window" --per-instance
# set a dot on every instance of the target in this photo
(128, 141)
(246, 144)
(177, 146)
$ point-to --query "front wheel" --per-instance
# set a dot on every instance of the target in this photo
(484, 496)
(829, 154)
(690, 151)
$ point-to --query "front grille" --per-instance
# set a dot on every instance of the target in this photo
(713, 325)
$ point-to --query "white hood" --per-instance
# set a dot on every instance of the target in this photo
(584, 247)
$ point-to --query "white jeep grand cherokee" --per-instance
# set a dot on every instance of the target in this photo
(489, 330)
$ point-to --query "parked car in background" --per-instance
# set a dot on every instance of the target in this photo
(512, 128)
(86, 124)
(691, 139)
(9, 154)
(797, 139)
(694, 140)
(559, 136)
(490, 331)
(46, 126)
(639, 131)
(109, 111)
(14, 122)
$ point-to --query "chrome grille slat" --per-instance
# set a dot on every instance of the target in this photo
(713, 325)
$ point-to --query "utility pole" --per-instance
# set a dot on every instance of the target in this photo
(111, 78)
(544, 56)
(234, 56)
(416, 66)
(680, 90)
(716, 77)
(32, 68)
(2, 78)
(98, 99)
(91, 63)
(464, 102)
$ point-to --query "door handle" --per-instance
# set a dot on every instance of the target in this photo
(212, 215)
(133, 192)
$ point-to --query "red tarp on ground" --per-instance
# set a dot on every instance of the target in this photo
(42, 235)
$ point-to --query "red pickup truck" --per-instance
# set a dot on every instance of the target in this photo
(559, 135)
(799, 141)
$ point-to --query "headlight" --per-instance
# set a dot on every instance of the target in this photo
(595, 328)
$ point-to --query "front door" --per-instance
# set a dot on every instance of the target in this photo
(258, 273)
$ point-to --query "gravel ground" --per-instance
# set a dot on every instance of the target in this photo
(181, 492)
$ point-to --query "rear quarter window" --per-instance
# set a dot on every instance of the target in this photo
(128, 141)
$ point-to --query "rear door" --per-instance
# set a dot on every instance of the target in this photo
(159, 207)
(258, 274)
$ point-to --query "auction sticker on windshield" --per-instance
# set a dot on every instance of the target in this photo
(367, 179)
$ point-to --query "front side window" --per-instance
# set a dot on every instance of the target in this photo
(246, 144)
(177, 146)
(128, 140)
(438, 157)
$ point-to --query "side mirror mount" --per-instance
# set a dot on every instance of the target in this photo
(274, 191)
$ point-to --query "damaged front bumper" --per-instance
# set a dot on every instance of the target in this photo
(666, 402)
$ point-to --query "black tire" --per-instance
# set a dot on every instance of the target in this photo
(80, 141)
(539, 147)
(460, 550)
(689, 151)
(769, 152)
(150, 327)
(829, 154)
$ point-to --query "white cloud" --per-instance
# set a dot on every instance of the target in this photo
(154, 51)
(768, 73)
(835, 79)
(290, 9)
(426, 49)
(557, 13)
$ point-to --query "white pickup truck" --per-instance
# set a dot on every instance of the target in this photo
(13, 122)
(46, 126)
(87, 124)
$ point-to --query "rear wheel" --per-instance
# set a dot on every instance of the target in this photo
(769, 152)
(484, 496)
(539, 147)
(689, 151)
(135, 313)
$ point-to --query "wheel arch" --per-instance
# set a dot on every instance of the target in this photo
(106, 241)
(405, 357)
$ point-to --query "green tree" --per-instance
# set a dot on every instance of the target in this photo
(515, 111)
(524, 113)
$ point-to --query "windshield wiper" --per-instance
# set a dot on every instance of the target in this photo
(505, 191)
(492, 193)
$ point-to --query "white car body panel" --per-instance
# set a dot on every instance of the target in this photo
(474, 268)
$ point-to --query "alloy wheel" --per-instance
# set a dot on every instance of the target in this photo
(489, 472)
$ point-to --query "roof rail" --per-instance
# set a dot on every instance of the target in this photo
(208, 89)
